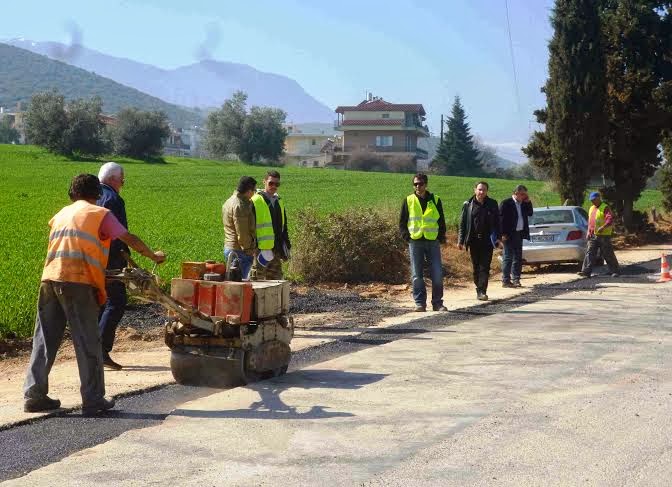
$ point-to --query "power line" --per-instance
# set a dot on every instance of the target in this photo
(513, 60)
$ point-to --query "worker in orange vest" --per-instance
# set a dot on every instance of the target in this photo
(72, 289)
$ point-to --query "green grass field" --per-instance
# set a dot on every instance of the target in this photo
(176, 207)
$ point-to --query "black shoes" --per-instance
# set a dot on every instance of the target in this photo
(583, 274)
(440, 308)
(43, 404)
(420, 309)
(97, 407)
(111, 364)
(516, 283)
(508, 284)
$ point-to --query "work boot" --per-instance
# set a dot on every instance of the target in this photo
(97, 407)
(420, 309)
(583, 274)
(481, 296)
(440, 308)
(111, 364)
(42, 404)
(507, 284)
(516, 283)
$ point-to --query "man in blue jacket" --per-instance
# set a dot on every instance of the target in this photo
(111, 177)
(514, 213)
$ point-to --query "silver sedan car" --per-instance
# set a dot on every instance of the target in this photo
(557, 235)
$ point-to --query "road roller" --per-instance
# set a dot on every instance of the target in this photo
(220, 332)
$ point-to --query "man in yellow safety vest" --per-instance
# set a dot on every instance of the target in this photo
(423, 226)
(600, 231)
(72, 289)
(272, 235)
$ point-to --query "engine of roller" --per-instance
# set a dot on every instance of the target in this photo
(220, 332)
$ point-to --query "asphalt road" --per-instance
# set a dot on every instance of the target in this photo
(45, 441)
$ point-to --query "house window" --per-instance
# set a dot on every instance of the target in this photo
(383, 141)
(386, 115)
(316, 163)
(313, 142)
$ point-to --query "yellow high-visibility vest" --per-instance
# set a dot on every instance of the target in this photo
(422, 224)
(265, 233)
(598, 213)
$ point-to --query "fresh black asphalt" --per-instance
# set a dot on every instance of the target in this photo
(26, 447)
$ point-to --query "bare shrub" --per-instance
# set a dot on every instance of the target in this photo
(402, 164)
(367, 161)
(352, 247)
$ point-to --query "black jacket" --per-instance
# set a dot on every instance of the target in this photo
(492, 215)
(279, 230)
(111, 200)
(403, 218)
(509, 217)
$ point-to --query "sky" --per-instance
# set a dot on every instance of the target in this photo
(406, 51)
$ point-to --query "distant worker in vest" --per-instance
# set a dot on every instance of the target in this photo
(514, 213)
(271, 226)
(72, 290)
(600, 231)
(239, 225)
(479, 233)
(423, 226)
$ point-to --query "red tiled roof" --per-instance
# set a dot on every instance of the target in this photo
(382, 105)
(378, 121)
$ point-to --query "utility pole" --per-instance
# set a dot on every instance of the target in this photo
(442, 128)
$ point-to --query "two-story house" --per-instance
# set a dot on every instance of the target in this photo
(384, 128)
(304, 144)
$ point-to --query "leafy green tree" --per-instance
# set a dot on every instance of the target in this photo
(538, 150)
(85, 130)
(576, 121)
(457, 154)
(8, 135)
(140, 134)
(637, 39)
(253, 136)
(47, 121)
(225, 126)
(263, 134)
(665, 184)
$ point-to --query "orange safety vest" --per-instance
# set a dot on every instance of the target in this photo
(76, 253)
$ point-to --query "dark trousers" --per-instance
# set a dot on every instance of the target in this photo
(111, 314)
(481, 258)
(77, 305)
(602, 243)
(512, 263)
(429, 251)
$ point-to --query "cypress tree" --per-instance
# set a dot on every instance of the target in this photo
(575, 92)
(457, 154)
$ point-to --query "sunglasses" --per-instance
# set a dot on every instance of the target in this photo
(418, 184)
(273, 183)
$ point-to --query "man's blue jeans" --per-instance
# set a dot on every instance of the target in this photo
(429, 251)
(512, 262)
(245, 261)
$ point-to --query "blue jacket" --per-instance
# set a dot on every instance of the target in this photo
(115, 203)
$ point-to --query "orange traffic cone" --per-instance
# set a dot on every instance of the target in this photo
(664, 270)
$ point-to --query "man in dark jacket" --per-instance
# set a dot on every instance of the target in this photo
(479, 233)
(111, 177)
(514, 213)
(423, 225)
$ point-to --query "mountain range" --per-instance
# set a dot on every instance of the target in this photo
(205, 84)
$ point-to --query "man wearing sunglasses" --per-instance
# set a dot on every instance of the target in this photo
(423, 226)
(272, 235)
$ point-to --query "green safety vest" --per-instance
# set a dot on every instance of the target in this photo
(422, 224)
(265, 233)
(599, 215)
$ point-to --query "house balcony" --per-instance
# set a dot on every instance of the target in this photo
(390, 149)
(382, 124)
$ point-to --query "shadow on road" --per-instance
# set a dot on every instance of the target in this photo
(271, 406)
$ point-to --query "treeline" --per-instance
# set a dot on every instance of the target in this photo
(76, 128)
(609, 99)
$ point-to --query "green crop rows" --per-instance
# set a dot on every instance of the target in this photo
(176, 207)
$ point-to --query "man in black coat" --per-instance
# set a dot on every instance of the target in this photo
(514, 213)
(479, 233)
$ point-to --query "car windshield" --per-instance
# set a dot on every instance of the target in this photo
(548, 217)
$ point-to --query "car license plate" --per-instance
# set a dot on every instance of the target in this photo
(542, 238)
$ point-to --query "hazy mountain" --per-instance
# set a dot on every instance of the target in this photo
(205, 84)
(431, 145)
(23, 73)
